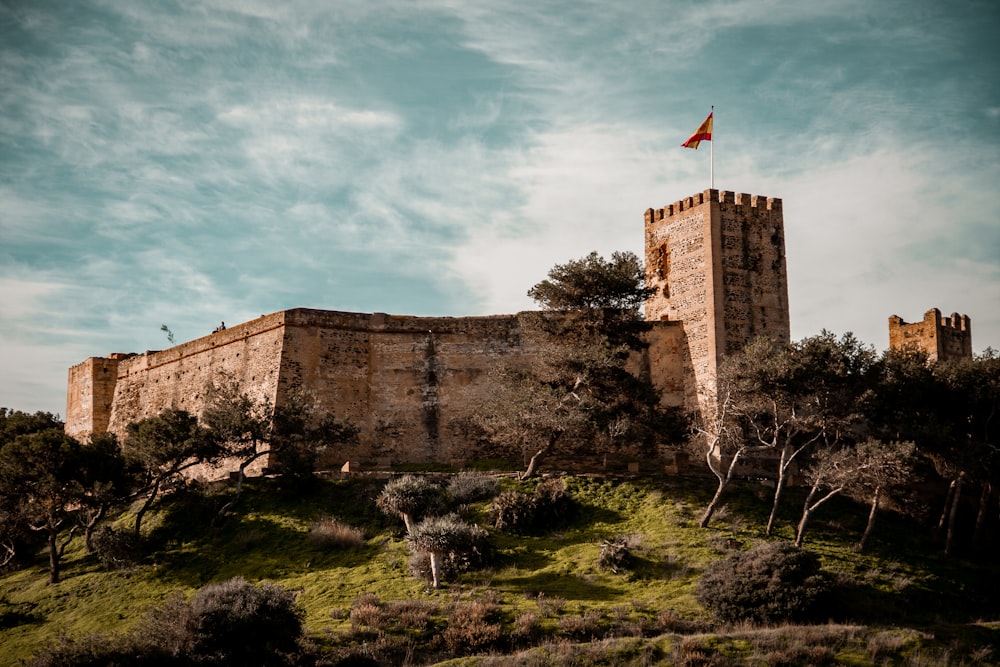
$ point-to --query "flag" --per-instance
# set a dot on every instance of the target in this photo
(704, 133)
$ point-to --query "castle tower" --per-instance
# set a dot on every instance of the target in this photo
(717, 261)
(943, 338)
(90, 395)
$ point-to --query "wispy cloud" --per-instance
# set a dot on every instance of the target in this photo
(182, 164)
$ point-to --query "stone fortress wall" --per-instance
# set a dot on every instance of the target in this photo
(942, 338)
(411, 383)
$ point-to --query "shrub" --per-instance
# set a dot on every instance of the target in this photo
(332, 533)
(548, 507)
(366, 611)
(100, 651)
(616, 555)
(770, 583)
(471, 628)
(233, 622)
(586, 627)
(116, 549)
(471, 487)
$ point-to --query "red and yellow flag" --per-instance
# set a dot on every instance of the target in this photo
(704, 133)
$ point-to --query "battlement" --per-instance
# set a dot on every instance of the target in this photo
(941, 337)
(726, 199)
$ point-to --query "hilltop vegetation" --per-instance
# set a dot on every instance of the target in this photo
(547, 589)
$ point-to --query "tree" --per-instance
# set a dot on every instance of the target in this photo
(39, 478)
(725, 446)
(445, 537)
(410, 497)
(105, 481)
(792, 398)
(833, 471)
(888, 465)
(14, 530)
(291, 434)
(162, 447)
(578, 394)
(601, 298)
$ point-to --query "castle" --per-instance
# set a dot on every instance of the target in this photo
(716, 261)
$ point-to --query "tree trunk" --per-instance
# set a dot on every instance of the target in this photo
(532, 468)
(871, 520)
(984, 501)
(434, 569)
(724, 481)
(408, 522)
(53, 556)
(88, 534)
(808, 509)
(707, 516)
(778, 488)
(950, 538)
(944, 510)
(137, 531)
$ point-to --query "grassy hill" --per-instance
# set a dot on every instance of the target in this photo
(544, 600)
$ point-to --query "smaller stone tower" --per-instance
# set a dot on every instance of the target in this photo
(943, 338)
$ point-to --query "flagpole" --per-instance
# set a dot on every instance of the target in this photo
(711, 153)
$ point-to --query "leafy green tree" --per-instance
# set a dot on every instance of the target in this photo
(888, 467)
(15, 422)
(579, 394)
(14, 531)
(410, 497)
(40, 481)
(598, 298)
(445, 537)
(792, 398)
(105, 479)
(969, 451)
(292, 434)
(160, 448)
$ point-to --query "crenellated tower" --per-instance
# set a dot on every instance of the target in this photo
(717, 261)
(943, 338)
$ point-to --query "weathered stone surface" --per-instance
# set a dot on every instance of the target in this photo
(717, 261)
(943, 338)
(411, 383)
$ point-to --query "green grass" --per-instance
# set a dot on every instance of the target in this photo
(903, 582)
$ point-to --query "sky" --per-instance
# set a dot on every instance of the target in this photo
(178, 164)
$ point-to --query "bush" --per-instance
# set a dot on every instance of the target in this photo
(235, 622)
(616, 555)
(332, 533)
(548, 507)
(471, 487)
(472, 628)
(770, 583)
(116, 549)
(100, 651)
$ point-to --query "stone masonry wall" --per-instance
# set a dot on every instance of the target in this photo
(718, 265)
(942, 338)
(90, 396)
(410, 384)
